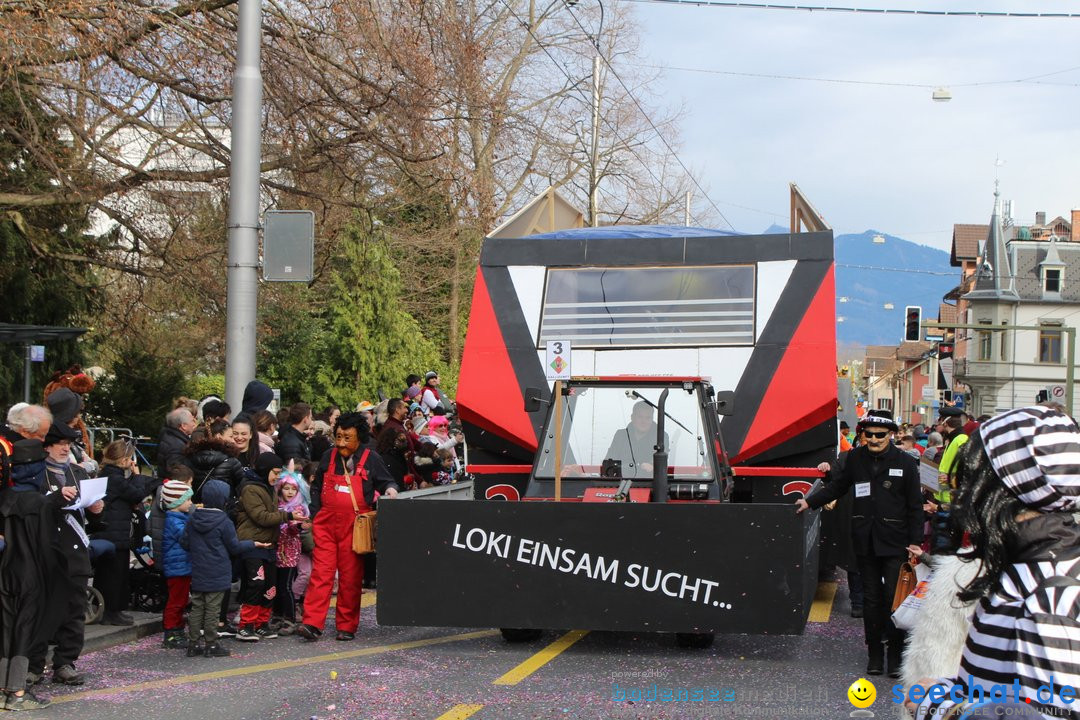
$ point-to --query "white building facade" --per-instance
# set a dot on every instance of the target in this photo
(1021, 282)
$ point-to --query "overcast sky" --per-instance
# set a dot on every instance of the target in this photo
(887, 158)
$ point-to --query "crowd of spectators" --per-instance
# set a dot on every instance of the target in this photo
(253, 497)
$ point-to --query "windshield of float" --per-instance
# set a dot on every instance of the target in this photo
(611, 432)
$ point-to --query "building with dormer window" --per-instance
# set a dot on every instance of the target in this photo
(1027, 276)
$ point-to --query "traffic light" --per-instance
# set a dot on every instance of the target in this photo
(945, 350)
(912, 323)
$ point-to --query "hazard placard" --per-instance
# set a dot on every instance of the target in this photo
(557, 366)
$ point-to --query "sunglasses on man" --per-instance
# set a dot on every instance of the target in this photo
(876, 435)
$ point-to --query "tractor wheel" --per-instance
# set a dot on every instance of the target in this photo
(518, 635)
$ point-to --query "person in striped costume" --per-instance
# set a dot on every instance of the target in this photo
(1019, 500)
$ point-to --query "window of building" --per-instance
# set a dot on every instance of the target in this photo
(884, 404)
(1052, 280)
(1004, 354)
(1050, 342)
(659, 306)
(986, 342)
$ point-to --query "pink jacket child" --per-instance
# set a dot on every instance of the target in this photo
(289, 500)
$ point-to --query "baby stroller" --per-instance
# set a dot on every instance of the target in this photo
(149, 592)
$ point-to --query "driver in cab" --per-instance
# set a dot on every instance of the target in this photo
(633, 446)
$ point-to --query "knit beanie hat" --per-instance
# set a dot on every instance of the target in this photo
(1036, 451)
(174, 494)
(266, 462)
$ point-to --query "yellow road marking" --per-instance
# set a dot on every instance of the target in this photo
(366, 600)
(460, 712)
(268, 667)
(541, 658)
(821, 608)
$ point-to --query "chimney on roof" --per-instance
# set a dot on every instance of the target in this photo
(1040, 217)
(1074, 236)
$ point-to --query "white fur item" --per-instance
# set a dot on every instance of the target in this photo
(936, 644)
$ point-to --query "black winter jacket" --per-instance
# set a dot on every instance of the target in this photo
(212, 459)
(886, 514)
(73, 552)
(293, 445)
(170, 450)
(121, 495)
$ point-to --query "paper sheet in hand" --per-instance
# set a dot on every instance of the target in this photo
(928, 476)
(90, 491)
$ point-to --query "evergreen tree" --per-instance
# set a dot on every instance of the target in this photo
(44, 279)
(293, 342)
(138, 392)
(373, 342)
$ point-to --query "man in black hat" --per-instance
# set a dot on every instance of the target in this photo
(887, 517)
(30, 570)
(67, 630)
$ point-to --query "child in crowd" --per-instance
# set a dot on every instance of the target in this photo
(175, 561)
(307, 540)
(183, 474)
(445, 460)
(260, 519)
(210, 539)
(289, 546)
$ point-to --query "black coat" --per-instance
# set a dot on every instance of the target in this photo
(887, 518)
(31, 574)
(397, 464)
(170, 450)
(212, 459)
(74, 554)
(121, 495)
(292, 445)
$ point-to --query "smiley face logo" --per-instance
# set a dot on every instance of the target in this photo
(861, 693)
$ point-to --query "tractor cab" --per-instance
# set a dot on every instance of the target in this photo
(608, 433)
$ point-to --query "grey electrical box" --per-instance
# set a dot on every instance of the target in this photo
(289, 245)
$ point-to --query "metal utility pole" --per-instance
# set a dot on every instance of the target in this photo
(243, 263)
(594, 178)
(687, 213)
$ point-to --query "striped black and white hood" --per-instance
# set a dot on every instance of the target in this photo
(1028, 628)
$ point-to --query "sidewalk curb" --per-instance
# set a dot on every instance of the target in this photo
(102, 637)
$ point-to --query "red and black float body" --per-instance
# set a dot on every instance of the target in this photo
(645, 309)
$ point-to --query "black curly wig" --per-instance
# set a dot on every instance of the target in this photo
(358, 422)
(986, 510)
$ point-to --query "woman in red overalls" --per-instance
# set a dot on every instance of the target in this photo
(342, 476)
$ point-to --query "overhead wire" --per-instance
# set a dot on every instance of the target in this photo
(611, 127)
(731, 4)
(633, 98)
(1033, 80)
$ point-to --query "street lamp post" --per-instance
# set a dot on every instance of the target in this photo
(246, 151)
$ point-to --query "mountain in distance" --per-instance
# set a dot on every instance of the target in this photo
(872, 275)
